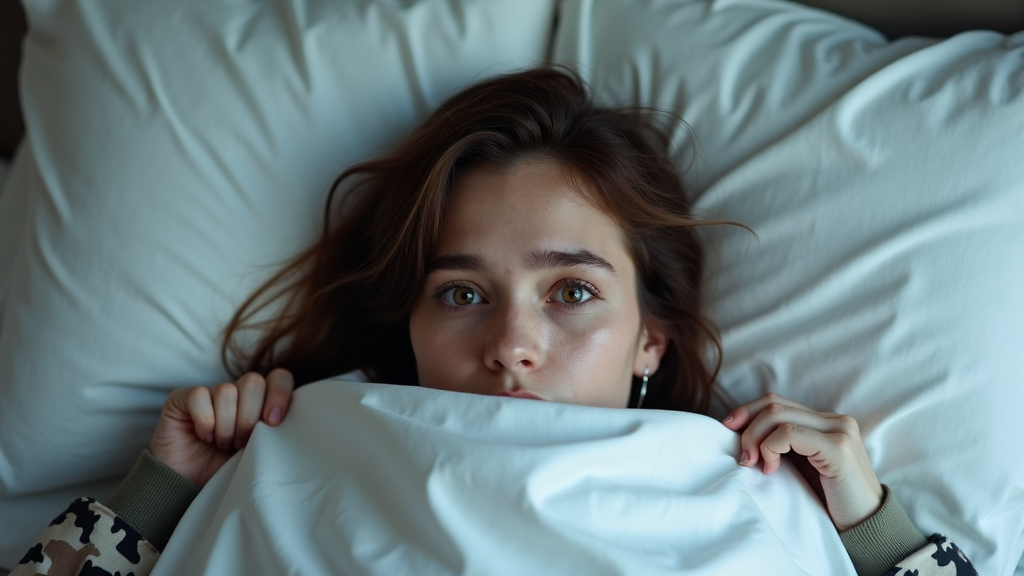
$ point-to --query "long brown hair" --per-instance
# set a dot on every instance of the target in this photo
(344, 303)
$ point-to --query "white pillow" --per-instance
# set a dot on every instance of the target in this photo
(885, 183)
(176, 152)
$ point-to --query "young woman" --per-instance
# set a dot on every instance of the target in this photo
(523, 242)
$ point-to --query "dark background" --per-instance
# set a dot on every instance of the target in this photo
(12, 29)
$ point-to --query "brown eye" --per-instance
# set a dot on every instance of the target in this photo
(462, 295)
(572, 294)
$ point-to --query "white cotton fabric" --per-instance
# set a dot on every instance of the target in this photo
(885, 184)
(367, 479)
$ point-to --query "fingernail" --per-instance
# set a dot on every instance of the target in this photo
(208, 438)
(275, 415)
(744, 458)
(727, 419)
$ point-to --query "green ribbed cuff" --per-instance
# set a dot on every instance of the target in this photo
(888, 536)
(152, 499)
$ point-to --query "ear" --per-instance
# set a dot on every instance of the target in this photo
(650, 348)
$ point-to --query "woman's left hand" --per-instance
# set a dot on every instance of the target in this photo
(773, 425)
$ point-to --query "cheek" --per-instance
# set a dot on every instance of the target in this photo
(444, 350)
(597, 362)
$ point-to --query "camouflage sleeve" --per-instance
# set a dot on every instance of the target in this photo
(88, 538)
(939, 557)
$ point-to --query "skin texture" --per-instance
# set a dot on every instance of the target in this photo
(515, 330)
(496, 316)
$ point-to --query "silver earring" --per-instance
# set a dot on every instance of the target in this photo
(643, 386)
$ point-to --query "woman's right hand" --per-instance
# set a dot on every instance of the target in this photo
(201, 428)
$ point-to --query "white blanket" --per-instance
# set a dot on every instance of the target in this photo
(379, 479)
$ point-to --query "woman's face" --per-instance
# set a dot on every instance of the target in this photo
(531, 293)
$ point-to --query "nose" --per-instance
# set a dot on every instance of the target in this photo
(516, 341)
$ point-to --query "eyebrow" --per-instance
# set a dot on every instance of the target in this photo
(535, 260)
(466, 262)
(559, 259)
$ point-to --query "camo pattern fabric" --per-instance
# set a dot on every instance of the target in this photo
(939, 557)
(88, 539)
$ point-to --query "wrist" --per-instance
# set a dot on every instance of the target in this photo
(872, 503)
(152, 499)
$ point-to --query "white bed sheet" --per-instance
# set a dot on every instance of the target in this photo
(418, 481)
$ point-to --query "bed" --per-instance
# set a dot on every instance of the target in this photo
(175, 152)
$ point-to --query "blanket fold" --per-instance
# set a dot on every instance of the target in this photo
(381, 479)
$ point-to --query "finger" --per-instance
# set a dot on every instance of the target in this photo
(848, 483)
(252, 389)
(176, 405)
(200, 409)
(225, 408)
(787, 437)
(773, 416)
(825, 451)
(280, 385)
(742, 415)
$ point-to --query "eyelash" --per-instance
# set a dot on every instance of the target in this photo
(595, 294)
(580, 283)
(446, 287)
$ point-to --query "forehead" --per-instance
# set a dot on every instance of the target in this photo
(529, 206)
